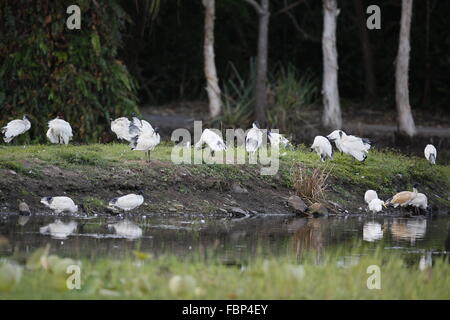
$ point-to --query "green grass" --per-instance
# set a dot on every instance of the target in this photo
(385, 171)
(146, 277)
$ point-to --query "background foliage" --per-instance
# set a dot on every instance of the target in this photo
(48, 70)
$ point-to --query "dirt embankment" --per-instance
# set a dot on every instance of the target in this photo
(166, 187)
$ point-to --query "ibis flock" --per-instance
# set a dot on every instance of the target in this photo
(141, 136)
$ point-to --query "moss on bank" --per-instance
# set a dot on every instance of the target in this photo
(99, 172)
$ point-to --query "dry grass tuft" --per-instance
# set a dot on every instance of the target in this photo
(308, 185)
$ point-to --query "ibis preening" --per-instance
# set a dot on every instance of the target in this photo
(124, 128)
(146, 139)
(59, 229)
(15, 128)
(370, 195)
(254, 138)
(322, 147)
(212, 140)
(59, 131)
(60, 204)
(128, 202)
(376, 205)
(352, 145)
(277, 139)
(430, 153)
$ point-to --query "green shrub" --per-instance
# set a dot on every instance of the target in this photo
(48, 70)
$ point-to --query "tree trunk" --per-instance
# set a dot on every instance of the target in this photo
(405, 119)
(370, 83)
(261, 66)
(212, 83)
(331, 117)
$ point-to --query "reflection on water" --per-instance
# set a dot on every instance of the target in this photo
(372, 231)
(220, 237)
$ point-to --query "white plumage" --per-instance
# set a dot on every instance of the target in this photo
(376, 205)
(370, 195)
(126, 229)
(60, 204)
(212, 140)
(127, 202)
(352, 145)
(124, 128)
(146, 139)
(15, 128)
(59, 131)
(254, 138)
(419, 201)
(58, 229)
(277, 139)
(322, 147)
(430, 153)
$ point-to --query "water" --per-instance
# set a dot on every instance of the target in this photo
(230, 240)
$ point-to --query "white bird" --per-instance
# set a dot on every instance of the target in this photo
(147, 138)
(322, 147)
(124, 128)
(430, 153)
(352, 145)
(419, 201)
(212, 140)
(376, 205)
(60, 204)
(372, 231)
(128, 202)
(370, 195)
(126, 229)
(15, 128)
(277, 139)
(59, 131)
(58, 229)
(254, 138)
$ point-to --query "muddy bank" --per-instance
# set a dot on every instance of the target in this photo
(188, 189)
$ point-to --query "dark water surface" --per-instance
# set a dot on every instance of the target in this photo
(223, 238)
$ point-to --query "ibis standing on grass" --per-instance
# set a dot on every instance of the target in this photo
(322, 147)
(355, 146)
(253, 141)
(124, 129)
(212, 140)
(277, 139)
(59, 131)
(15, 128)
(147, 138)
(430, 153)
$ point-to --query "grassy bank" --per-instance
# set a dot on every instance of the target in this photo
(93, 174)
(319, 276)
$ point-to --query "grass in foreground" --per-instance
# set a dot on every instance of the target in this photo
(169, 277)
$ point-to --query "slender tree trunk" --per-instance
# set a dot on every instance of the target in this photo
(212, 83)
(427, 80)
(404, 116)
(261, 71)
(331, 117)
(370, 83)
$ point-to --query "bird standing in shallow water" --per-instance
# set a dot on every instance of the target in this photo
(403, 198)
(370, 195)
(59, 131)
(322, 147)
(15, 128)
(128, 202)
(376, 205)
(60, 204)
(430, 153)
